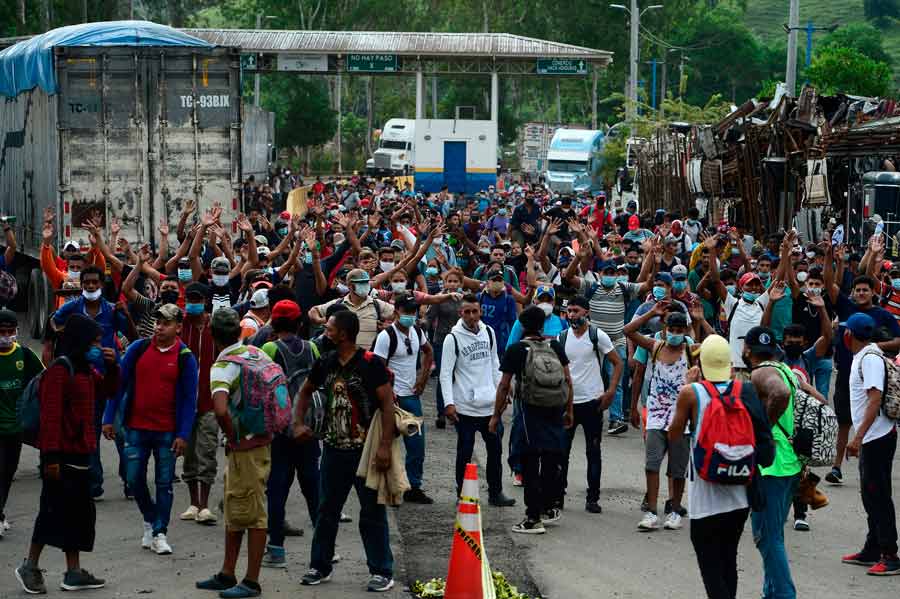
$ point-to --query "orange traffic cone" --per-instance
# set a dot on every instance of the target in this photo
(469, 574)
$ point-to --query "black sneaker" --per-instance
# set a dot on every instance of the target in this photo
(530, 527)
(645, 504)
(417, 495)
(440, 423)
(501, 500)
(835, 477)
(593, 507)
(551, 516)
(617, 427)
(314, 577)
(668, 508)
(78, 580)
(217, 582)
(31, 579)
(292, 531)
(379, 583)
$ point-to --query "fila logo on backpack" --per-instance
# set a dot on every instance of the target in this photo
(725, 452)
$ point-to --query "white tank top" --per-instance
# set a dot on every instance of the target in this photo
(706, 498)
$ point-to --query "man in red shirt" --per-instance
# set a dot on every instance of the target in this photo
(598, 216)
(156, 403)
(200, 464)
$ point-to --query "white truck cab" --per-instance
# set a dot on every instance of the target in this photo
(395, 154)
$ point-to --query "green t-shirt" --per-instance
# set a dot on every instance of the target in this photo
(17, 367)
(782, 313)
(709, 309)
(786, 462)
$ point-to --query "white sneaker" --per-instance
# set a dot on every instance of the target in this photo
(160, 545)
(190, 513)
(4, 525)
(673, 521)
(650, 521)
(147, 539)
(205, 516)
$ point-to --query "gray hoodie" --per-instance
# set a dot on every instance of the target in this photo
(476, 370)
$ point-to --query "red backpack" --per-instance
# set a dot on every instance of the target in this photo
(725, 452)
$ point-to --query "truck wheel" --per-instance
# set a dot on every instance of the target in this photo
(20, 302)
(37, 303)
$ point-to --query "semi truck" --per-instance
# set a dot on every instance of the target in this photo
(574, 160)
(396, 150)
(128, 120)
(458, 153)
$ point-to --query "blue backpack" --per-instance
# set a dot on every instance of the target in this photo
(28, 406)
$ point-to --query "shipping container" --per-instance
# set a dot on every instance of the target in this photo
(132, 134)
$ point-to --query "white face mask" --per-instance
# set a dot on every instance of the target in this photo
(220, 280)
(398, 287)
(386, 266)
(342, 289)
(802, 276)
(810, 255)
(73, 275)
(439, 239)
(361, 289)
(7, 342)
(91, 296)
(546, 307)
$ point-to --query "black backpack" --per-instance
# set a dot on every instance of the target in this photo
(297, 365)
(392, 341)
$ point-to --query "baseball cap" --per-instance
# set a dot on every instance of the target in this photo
(398, 244)
(761, 340)
(285, 216)
(544, 290)
(634, 222)
(168, 312)
(747, 278)
(580, 301)
(715, 359)
(263, 251)
(286, 309)
(261, 284)
(225, 319)
(862, 326)
(606, 265)
(496, 275)
(357, 275)
(663, 277)
(406, 302)
(71, 246)
(261, 240)
(8, 317)
(220, 265)
(676, 319)
(197, 289)
(679, 272)
(259, 299)
(671, 239)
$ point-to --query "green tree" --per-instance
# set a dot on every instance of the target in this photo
(880, 9)
(846, 70)
(864, 37)
(303, 115)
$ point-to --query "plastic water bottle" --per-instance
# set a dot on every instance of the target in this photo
(879, 228)
(837, 238)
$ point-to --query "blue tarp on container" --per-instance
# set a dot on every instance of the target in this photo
(30, 63)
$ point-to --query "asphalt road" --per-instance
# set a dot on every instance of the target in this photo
(583, 556)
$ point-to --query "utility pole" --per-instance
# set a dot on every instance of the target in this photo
(256, 77)
(634, 56)
(653, 63)
(791, 30)
(662, 90)
(791, 68)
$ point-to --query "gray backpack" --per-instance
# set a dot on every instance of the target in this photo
(543, 382)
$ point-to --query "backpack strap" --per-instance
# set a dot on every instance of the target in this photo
(731, 314)
(594, 339)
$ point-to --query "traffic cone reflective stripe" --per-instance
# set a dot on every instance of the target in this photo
(469, 574)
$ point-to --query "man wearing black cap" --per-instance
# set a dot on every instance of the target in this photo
(18, 365)
(158, 401)
(399, 346)
(777, 482)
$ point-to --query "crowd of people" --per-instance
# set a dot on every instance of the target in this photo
(694, 334)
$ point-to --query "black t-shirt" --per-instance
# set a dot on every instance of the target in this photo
(808, 316)
(514, 362)
(305, 280)
(565, 215)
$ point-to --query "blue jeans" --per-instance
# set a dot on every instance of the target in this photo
(95, 466)
(466, 429)
(415, 444)
(439, 395)
(515, 438)
(290, 459)
(337, 476)
(768, 535)
(615, 410)
(822, 375)
(139, 445)
(591, 422)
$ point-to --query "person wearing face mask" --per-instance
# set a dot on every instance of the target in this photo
(156, 405)
(18, 365)
(373, 313)
(806, 315)
(663, 284)
(667, 367)
(498, 309)
(143, 307)
(524, 226)
(544, 298)
(403, 346)
(224, 286)
(498, 260)
(257, 315)
(70, 392)
(497, 226)
(681, 291)
(441, 318)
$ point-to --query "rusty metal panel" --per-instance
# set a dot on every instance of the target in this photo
(28, 160)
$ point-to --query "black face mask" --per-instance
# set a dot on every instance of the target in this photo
(168, 297)
(793, 350)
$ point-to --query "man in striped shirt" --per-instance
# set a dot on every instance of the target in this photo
(608, 298)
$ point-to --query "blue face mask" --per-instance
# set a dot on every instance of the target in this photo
(622, 279)
(607, 281)
(94, 355)
(731, 289)
(659, 292)
(679, 286)
(431, 271)
(735, 251)
(185, 275)
(674, 339)
(308, 257)
(407, 320)
(194, 309)
(283, 231)
(764, 276)
(750, 296)
(895, 283)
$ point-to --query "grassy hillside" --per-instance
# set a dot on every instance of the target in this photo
(766, 17)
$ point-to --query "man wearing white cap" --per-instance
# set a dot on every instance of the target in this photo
(257, 315)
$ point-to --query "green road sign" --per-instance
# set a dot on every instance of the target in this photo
(561, 66)
(248, 62)
(372, 63)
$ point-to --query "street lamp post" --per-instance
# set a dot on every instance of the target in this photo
(635, 15)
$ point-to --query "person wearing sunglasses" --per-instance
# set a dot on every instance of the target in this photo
(399, 345)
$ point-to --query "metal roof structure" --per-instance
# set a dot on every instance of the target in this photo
(503, 46)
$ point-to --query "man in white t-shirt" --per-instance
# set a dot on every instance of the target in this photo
(744, 313)
(399, 345)
(586, 346)
(875, 443)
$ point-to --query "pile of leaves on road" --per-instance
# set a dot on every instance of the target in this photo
(435, 588)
